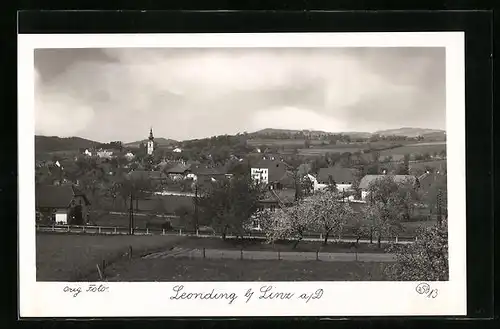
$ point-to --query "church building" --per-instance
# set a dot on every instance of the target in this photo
(150, 145)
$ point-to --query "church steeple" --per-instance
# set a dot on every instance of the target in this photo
(151, 134)
(151, 142)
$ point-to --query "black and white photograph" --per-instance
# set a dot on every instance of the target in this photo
(186, 164)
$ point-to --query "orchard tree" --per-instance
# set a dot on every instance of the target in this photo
(389, 203)
(229, 204)
(289, 223)
(424, 260)
(330, 215)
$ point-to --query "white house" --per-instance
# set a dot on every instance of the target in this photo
(129, 156)
(177, 150)
(87, 153)
(260, 174)
(343, 177)
(105, 154)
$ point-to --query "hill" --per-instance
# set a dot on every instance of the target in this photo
(45, 144)
(162, 142)
(409, 132)
(274, 131)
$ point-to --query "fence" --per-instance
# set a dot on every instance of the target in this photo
(117, 230)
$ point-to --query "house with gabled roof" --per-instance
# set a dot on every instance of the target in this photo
(343, 177)
(64, 204)
(270, 172)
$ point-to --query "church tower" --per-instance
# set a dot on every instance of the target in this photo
(150, 142)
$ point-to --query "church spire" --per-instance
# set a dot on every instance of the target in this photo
(151, 134)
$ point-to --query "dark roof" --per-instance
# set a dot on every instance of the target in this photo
(286, 195)
(200, 170)
(368, 179)
(144, 174)
(56, 196)
(270, 164)
(340, 175)
(179, 169)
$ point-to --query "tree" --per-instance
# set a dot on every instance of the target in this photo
(436, 196)
(404, 168)
(329, 214)
(289, 223)
(229, 204)
(389, 203)
(332, 184)
(424, 260)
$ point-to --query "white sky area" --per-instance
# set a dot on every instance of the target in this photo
(118, 94)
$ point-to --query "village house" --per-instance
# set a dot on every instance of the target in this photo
(273, 173)
(61, 204)
(180, 171)
(343, 178)
(104, 154)
(270, 202)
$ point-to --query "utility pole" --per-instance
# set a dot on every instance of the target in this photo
(196, 206)
(439, 209)
(131, 216)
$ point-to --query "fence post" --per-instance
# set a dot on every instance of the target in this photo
(99, 228)
(321, 236)
(53, 228)
(241, 253)
(67, 228)
(147, 230)
(196, 232)
(203, 253)
(279, 256)
(317, 255)
(396, 239)
(129, 252)
(163, 232)
(115, 230)
(416, 239)
(83, 228)
(180, 231)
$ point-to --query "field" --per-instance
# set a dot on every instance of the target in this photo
(73, 257)
(416, 148)
(243, 270)
(61, 257)
(281, 142)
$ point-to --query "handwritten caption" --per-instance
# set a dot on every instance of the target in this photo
(264, 293)
(91, 288)
(424, 288)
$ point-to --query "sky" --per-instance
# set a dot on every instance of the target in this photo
(120, 93)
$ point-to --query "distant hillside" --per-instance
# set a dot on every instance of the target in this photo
(44, 144)
(271, 131)
(160, 141)
(357, 134)
(409, 132)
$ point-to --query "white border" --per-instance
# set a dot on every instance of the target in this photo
(340, 298)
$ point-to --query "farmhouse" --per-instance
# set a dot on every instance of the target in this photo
(271, 172)
(343, 177)
(271, 201)
(365, 182)
(179, 171)
(63, 204)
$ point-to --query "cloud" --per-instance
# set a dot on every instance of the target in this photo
(111, 94)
